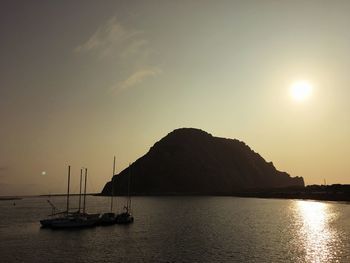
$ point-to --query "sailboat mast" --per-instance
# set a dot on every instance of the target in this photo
(129, 199)
(112, 188)
(81, 178)
(68, 189)
(85, 190)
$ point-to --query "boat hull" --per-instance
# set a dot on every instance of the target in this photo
(72, 221)
(107, 219)
(124, 218)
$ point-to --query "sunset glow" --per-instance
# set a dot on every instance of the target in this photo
(301, 90)
(84, 81)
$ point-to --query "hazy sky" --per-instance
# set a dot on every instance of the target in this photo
(82, 81)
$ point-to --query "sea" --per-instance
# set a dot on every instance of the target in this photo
(181, 229)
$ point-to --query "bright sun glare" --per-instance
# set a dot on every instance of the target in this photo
(301, 90)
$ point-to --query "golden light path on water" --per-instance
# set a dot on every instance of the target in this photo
(319, 240)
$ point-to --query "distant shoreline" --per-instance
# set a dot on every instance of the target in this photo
(336, 192)
(315, 197)
(9, 198)
(49, 195)
(19, 197)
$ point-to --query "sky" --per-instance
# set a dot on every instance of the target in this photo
(82, 81)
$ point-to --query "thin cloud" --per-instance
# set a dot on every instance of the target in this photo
(135, 47)
(113, 38)
(133, 50)
(136, 78)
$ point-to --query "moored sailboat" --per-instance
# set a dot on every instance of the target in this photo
(109, 218)
(56, 216)
(75, 219)
(126, 216)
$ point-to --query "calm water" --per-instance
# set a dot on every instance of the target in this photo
(183, 229)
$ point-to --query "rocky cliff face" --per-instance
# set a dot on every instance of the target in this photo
(191, 161)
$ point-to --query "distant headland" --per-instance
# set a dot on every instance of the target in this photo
(190, 161)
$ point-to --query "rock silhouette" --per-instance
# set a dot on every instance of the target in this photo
(191, 161)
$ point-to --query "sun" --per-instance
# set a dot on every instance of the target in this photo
(301, 90)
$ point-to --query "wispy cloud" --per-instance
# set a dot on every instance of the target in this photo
(135, 47)
(130, 46)
(136, 78)
(113, 38)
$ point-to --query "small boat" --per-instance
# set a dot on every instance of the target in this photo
(126, 216)
(56, 216)
(109, 217)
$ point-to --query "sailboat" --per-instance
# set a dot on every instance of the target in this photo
(56, 216)
(73, 219)
(126, 216)
(109, 218)
(47, 222)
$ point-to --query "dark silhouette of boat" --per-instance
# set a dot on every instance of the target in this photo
(126, 216)
(109, 218)
(47, 222)
(76, 220)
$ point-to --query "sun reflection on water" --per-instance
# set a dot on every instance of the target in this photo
(319, 239)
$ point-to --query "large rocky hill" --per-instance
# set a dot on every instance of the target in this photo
(191, 161)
